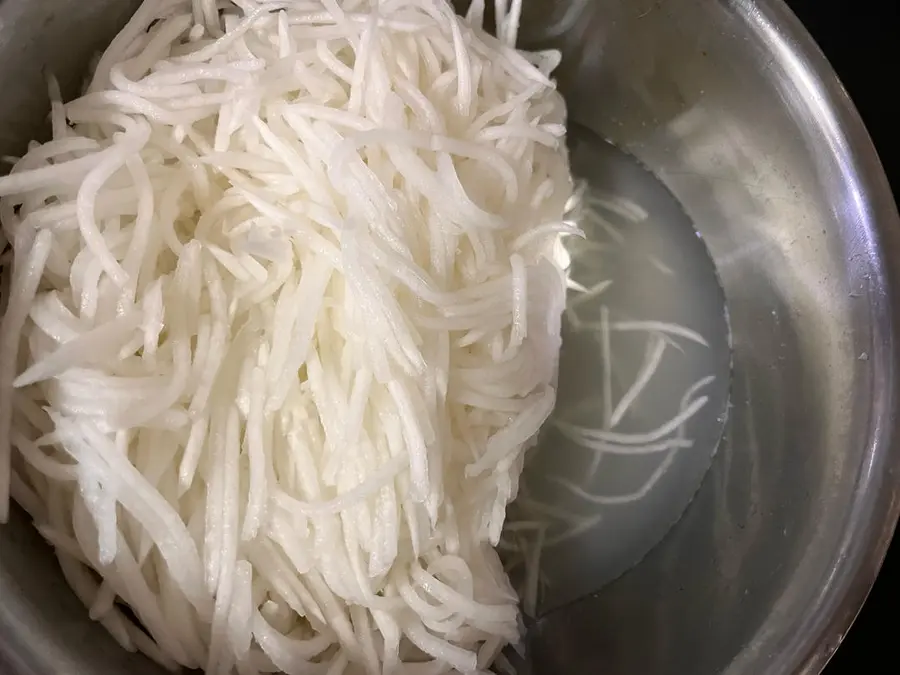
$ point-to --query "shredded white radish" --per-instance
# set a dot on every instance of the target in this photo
(284, 314)
(534, 525)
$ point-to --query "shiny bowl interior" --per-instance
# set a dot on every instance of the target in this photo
(736, 111)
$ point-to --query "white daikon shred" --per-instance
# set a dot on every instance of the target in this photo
(283, 315)
(577, 507)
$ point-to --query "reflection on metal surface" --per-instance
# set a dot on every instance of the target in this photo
(741, 119)
(596, 497)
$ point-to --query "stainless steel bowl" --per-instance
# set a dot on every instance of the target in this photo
(730, 103)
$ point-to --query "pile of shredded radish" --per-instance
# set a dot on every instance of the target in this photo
(283, 316)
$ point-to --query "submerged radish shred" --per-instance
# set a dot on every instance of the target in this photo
(570, 512)
(284, 314)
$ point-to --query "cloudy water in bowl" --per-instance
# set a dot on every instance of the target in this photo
(643, 388)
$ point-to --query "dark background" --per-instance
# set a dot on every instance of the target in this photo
(861, 38)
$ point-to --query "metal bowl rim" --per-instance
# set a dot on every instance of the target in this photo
(870, 523)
